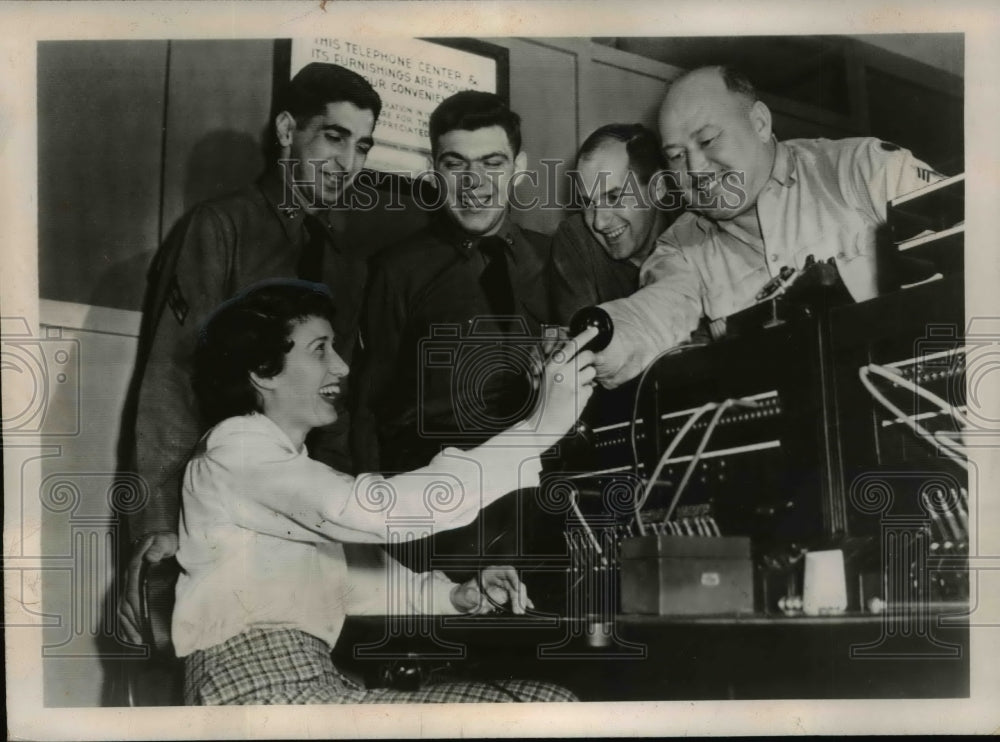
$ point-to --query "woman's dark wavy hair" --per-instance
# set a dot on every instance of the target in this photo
(251, 333)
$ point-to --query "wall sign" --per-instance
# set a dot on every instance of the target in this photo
(412, 76)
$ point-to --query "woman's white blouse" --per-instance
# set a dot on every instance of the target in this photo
(263, 530)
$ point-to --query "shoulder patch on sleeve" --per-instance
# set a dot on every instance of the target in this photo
(176, 301)
(927, 175)
(889, 146)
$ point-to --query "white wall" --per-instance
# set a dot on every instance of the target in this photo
(74, 485)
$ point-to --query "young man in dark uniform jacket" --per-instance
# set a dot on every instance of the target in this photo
(454, 314)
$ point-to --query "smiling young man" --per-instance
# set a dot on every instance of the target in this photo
(756, 206)
(472, 271)
(596, 254)
(280, 227)
(454, 312)
(325, 147)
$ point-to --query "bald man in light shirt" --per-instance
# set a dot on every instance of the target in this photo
(755, 206)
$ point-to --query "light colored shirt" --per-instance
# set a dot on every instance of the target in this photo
(825, 198)
(263, 531)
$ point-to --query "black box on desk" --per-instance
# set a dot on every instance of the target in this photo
(686, 575)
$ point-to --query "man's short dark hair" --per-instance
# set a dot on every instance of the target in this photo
(474, 109)
(319, 83)
(645, 157)
(251, 333)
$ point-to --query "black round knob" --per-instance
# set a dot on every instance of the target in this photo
(593, 317)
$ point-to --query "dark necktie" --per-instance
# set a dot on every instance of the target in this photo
(311, 260)
(508, 390)
(495, 278)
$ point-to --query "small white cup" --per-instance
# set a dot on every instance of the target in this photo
(825, 589)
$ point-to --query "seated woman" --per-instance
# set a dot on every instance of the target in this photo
(265, 585)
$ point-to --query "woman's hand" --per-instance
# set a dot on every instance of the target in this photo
(567, 382)
(500, 584)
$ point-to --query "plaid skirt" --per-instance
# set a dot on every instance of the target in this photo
(288, 666)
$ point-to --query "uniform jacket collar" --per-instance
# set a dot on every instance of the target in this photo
(465, 243)
(284, 204)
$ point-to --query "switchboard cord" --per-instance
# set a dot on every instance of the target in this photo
(590, 534)
(949, 448)
(897, 378)
(638, 394)
(702, 445)
(663, 460)
(720, 410)
(941, 437)
(503, 607)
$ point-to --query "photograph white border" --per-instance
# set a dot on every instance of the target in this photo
(23, 24)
